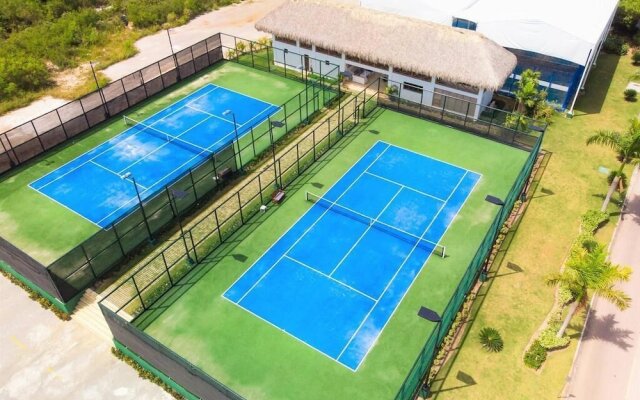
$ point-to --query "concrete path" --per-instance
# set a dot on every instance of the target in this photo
(607, 364)
(42, 357)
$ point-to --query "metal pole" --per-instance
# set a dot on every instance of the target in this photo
(273, 151)
(235, 128)
(104, 100)
(144, 214)
(174, 208)
(175, 59)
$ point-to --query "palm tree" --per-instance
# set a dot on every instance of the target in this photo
(589, 271)
(626, 144)
(528, 97)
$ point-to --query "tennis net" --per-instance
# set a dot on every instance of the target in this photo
(142, 127)
(415, 240)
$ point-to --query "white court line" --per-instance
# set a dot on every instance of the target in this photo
(284, 331)
(394, 277)
(167, 143)
(115, 144)
(330, 277)
(415, 278)
(113, 172)
(365, 231)
(298, 220)
(406, 187)
(435, 159)
(64, 206)
(155, 183)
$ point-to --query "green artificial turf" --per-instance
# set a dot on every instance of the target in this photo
(46, 230)
(257, 360)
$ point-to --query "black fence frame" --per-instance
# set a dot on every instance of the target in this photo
(79, 268)
(150, 282)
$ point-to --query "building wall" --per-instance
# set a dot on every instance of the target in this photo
(293, 54)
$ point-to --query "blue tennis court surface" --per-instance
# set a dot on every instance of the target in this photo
(154, 152)
(334, 279)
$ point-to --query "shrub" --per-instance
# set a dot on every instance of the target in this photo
(630, 94)
(535, 356)
(593, 219)
(636, 57)
(615, 45)
(564, 295)
(491, 340)
(144, 374)
(550, 341)
(627, 15)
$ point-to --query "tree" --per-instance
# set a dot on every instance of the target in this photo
(528, 97)
(626, 144)
(586, 271)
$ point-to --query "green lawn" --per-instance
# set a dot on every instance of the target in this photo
(260, 362)
(46, 230)
(517, 303)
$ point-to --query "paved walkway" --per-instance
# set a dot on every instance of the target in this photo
(42, 357)
(607, 365)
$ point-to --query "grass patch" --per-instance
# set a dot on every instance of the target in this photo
(517, 302)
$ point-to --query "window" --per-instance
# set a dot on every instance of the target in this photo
(464, 24)
(411, 74)
(458, 85)
(305, 45)
(285, 41)
(328, 52)
(412, 88)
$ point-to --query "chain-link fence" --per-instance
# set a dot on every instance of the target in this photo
(43, 133)
(83, 265)
(148, 283)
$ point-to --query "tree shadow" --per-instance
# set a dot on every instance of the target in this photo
(604, 328)
(590, 100)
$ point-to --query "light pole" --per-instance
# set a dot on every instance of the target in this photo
(429, 315)
(173, 194)
(235, 129)
(129, 176)
(274, 124)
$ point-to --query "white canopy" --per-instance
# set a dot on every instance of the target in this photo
(566, 29)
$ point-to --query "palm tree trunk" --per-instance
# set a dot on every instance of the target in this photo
(572, 310)
(612, 188)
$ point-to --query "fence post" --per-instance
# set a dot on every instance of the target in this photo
(166, 267)
(193, 184)
(37, 135)
(421, 100)
(298, 157)
(215, 215)
(268, 59)
(115, 232)
(125, 93)
(466, 114)
(62, 125)
(240, 206)
(260, 188)
(444, 104)
(133, 279)
(253, 64)
(313, 134)
(253, 143)
(84, 252)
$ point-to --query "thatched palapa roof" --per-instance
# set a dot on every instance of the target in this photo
(422, 47)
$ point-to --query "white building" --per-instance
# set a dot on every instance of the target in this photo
(559, 38)
(424, 61)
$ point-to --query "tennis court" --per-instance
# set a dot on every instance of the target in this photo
(334, 279)
(101, 184)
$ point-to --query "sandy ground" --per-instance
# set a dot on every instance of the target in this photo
(238, 19)
(607, 365)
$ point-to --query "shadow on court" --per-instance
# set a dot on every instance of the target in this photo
(228, 248)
